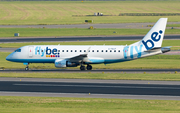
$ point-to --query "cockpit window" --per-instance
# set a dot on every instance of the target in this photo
(17, 50)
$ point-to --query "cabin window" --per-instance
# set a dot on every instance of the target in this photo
(62, 50)
(106, 50)
(71, 50)
(102, 51)
(84, 50)
(66, 50)
(41, 50)
(114, 50)
(89, 50)
(18, 50)
(80, 50)
(110, 50)
(75, 50)
(58, 51)
(118, 50)
(92, 50)
(97, 50)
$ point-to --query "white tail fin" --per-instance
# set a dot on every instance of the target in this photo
(154, 37)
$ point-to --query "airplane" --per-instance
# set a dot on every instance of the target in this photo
(81, 55)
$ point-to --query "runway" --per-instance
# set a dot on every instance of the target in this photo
(80, 38)
(92, 71)
(165, 90)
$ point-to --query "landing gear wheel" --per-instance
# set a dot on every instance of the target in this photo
(89, 67)
(82, 68)
(27, 68)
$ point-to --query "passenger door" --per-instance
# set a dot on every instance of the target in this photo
(30, 51)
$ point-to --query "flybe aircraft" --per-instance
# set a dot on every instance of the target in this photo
(82, 55)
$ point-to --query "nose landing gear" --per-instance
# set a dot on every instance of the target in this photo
(27, 68)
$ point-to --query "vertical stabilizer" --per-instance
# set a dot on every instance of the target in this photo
(154, 37)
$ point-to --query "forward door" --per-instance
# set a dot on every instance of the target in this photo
(30, 51)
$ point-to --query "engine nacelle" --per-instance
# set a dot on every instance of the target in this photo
(65, 63)
(60, 63)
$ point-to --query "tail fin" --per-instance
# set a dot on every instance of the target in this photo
(154, 37)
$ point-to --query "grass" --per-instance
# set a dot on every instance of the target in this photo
(89, 105)
(175, 76)
(173, 25)
(40, 32)
(60, 12)
(173, 43)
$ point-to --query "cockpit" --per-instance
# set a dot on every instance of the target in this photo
(17, 50)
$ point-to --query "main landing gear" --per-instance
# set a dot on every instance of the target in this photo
(89, 67)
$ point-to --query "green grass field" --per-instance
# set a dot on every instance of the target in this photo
(39, 32)
(54, 12)
(170, 76)
(173, 25)
(85, 105)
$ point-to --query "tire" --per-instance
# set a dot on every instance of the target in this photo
(82, 68)
(89, 67)
(26, 69)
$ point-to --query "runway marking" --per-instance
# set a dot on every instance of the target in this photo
(95, 86)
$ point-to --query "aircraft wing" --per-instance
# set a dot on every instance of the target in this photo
(81, 57)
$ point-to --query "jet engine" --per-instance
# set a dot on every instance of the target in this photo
(65, 63)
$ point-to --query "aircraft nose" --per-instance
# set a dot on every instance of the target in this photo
(9, 57)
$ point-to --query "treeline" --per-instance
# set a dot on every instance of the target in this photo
(137, 14)
(149, 14)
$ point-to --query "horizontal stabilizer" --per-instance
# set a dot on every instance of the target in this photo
(163, 49)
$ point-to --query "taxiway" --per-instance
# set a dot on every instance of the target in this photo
(165, 90)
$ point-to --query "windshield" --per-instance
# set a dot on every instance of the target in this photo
(17, 50)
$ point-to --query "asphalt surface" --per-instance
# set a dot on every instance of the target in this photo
(115, 25)
(80, 38)
(167, 90)
(92, 71)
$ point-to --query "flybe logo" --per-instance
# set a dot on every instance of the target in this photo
(131, 48)
(154, 37)
(48, 52)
